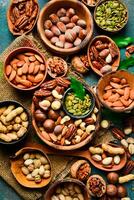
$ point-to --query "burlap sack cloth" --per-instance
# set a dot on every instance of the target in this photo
(60, 165)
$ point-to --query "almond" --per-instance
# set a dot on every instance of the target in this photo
(117, 104)
(42, 67)
(123, 81)
(32, 58)
(53, 137)
(81, 23)
(24, 77)
(126, 103)
(17, 79)
(45, 135)
(20, 63)
(19, 71)
(108, 87)
(49, 34)
(115, 85)
(14, 61)
(109, 103)
(39, 58)
(59, 44)
(132, 94)
(54, 18)
(61, 26)
(38, 78)
(12, 75)
(116, 80)
(113, 97)
(70, 35)
(31, 68)
(8, 70)
(26, 83)
(126, 93)
(30, 78)
(25, 68)
(120, 91)
(107, 94)
(21, 86)
(55, 30)
(74, 19)
(48, 24)
(36, 69)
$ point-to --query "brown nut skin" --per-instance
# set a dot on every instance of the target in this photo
(81, 23)
(53, 114)
(82, 34)
(61, 26)
(70, 35)
(55, 30)
(70, 12)
(47, 24)
(61, 12)
(74, 19)
(54, 40)
(65, 20)
(54, 18)
(112, 177)
(121, 191)
(40, 116)
(111, 190)
(49, 125)
(49, 34)
(58, 129)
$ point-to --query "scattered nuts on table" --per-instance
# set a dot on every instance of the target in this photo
(13, 123)
(26, 70)
(23, 15)
(35, 167)
(68, 191)
(65, 29)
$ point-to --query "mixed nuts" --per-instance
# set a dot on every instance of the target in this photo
(80, 63)
(13, 123)
(26, 70)
(65, 29)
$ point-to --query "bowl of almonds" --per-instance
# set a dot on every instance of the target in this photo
(31, 167)
(25, 68)
(67, 189)
(116, 91)
(65, 26)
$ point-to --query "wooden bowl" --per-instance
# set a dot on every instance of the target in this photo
(21, 139)
(103, 38)
(111, 31)
(90, 5)
(115, 167)
(53, 187)
(104, 81)
(13, 54)
(10, 24)
(17, 163)
(52, 7)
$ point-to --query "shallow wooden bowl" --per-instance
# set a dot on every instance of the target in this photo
(17, 51)
(53, 187)
(103, 38)
(17, 163)
(104, 81)
(115, 167)
(10, 25)
(52, 7)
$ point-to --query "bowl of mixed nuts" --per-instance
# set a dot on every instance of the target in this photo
(116, 91)
(111, 15)
(90, 3)
(14, 122)
(65, 26)
(67, 189)
(25, 68)
(31, 167)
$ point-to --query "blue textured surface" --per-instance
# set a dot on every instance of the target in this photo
(6, 38)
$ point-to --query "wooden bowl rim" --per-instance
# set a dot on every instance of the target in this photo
(62, 50)
(102, 1)
(89, 59)
(19, 153)
(129, 108)
(16, 52)
(8, 19)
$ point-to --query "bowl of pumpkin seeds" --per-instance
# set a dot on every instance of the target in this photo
(77, 107)
(111, 15)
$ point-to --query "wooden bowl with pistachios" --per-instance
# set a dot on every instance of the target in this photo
(116, 91)
(65, 26)
(67, 187)
(103, 55)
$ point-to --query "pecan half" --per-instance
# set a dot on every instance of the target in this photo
(49, 84)
(89, 120)
(118, 133)
(42, 93)
(70, 132)
(95, 52)
(128, 167)
(113, 50)
(63, 82)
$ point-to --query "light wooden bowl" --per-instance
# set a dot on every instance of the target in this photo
(17, 163)
(53, 187)
(104, 81)
(103, 38)
(52, 7)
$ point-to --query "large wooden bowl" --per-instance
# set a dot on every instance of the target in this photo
(52, 7)
(104, 81)
(103, 38)
(53, 187)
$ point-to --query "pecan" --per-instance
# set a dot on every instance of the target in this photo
(98, 42)
(20, 20)
(102, 61)
(118, 133)
(42, 93)
(128, 167)
(130, 49)
(29, 7)
(23, 24)
(71, 131)
(16, 13)
(49, 84)
(83, 172)
(97, 65)
(36, 101)
(63, 82)
(34, 14)
(113, 50)
(101, 46)
(59, 89)
(89, 120)
(95, 52)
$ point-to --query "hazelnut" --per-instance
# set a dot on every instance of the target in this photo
(54, 18)
(61, 26)
(48, 34)
(82, 34)
(61, 12)
(54, 40)
(65, 20)
(111, 190)
(81, 23)
(77, 42)
(53, 114)
(112, 177)
(49, 125)
(40, 116)
(48, 24)
(59, 44)
(55, 30)
(70, 12)
(70, 35)
(74, 19)
(121, 191)
(58, 129)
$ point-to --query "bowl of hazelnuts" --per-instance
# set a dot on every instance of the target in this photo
(65, 26)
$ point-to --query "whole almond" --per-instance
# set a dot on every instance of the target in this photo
(36, 69)
(61, 26)
(26, 83)
(8, 70)
(21, 57)
(77, 29)
(39, 58)
(14, 61)
(113, 97)
(55, 30)
(65, 20)
(117, 104)
(81, 23)
(116, 80)
(32, 58)
(30, 78)
(17, 79)
(49, 34)
(21, 86)
(126, 93)
(19, 71)
(107, 94)
(20, 63)
(12, 75)
(54, 40)
(25, 68)
(132, 94)
(24, 77)
(14, 66)
(74, 19)
(70, 25)
(31, 68)
(42, 67)
(38, 78)
(70, 35)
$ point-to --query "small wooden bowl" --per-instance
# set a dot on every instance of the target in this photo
(103, 1)
(17, 163)
(104, 81)
(53, 187)
(49, 69)
(90, 5)
(52, 7)
(115, 167)
(14, 53)
(10, 25)
(21, 139)
(103, 38)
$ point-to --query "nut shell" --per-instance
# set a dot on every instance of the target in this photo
(76, 166)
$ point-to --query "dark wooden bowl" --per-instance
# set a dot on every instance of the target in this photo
(10, 25)
(52, 7)
(21, 139)
(17, 51)
(53, 187)
(101, 2)
(17, 163)
(103, 38)
(104, 81)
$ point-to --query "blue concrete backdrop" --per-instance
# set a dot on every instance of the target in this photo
(6, 38)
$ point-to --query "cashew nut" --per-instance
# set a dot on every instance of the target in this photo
(56, 94)
(82, 126)
(93, 116)
(65, 119)
(90, 128)
(77, 139)
(80, 132)
(67, 142)
(78, 122)
(96, 110)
